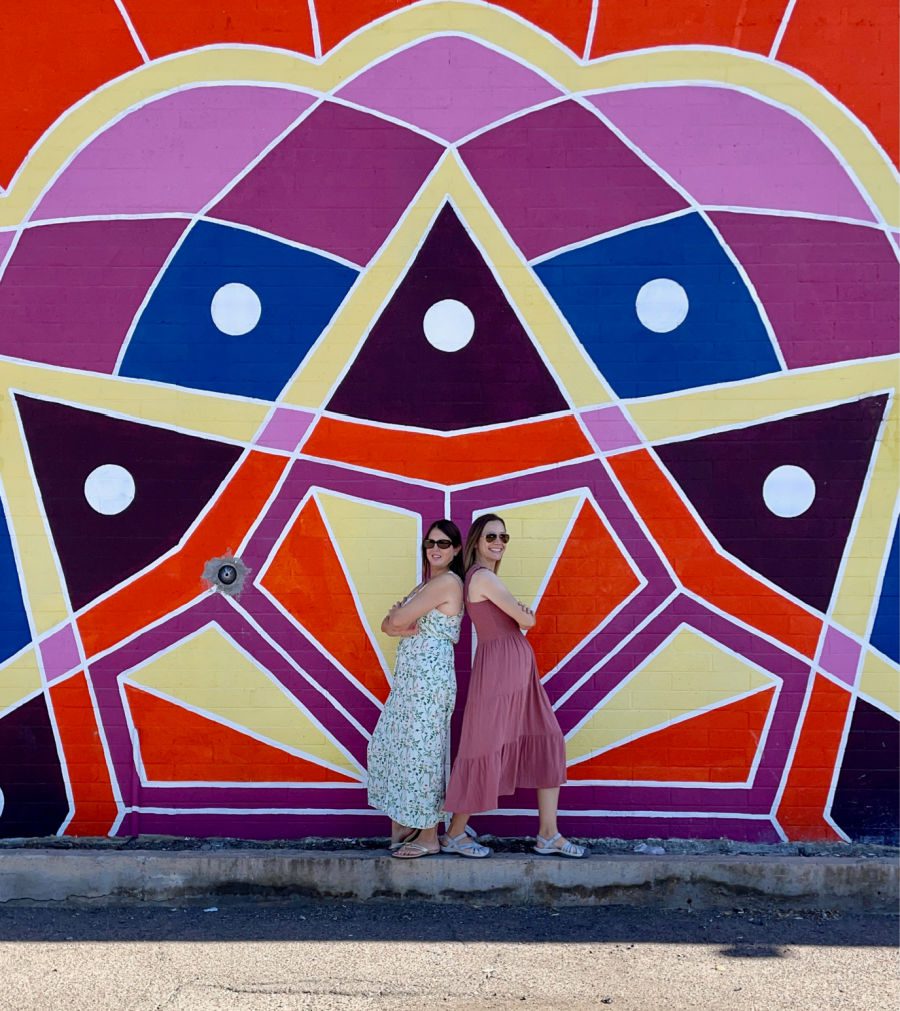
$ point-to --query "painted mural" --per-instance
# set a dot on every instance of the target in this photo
(282, 284)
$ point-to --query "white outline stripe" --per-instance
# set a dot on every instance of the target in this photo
(132, 31)
(782, 28)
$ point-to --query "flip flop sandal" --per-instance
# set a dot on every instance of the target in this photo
(416, 832)
(414, 850)
(546, 847)
(463, 845)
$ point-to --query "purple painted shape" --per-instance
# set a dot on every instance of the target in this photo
(559, 175)
(602, 642)
(256, 826)
(723, 476)
(104, 674)
(70, 291)
(840, 655)
(750, 830)
(728, 148)
(175, 153)
(896, 237)
(829, 288)
(465, 389)
(339, 182)
(285, 429)
(449, 86)
(59, 653)
(6, 239)
(330, 678)
(610, 428)
(359, 826)
(175, 476)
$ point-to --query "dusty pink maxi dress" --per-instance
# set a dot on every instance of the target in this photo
(510, 736)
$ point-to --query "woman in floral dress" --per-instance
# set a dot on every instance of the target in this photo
(408, 749)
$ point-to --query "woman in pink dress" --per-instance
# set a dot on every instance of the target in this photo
(510, 736)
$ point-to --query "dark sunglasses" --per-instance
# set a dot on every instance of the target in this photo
(490, 538)
(443, 544)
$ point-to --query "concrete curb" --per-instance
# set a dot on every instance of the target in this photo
(506, 878)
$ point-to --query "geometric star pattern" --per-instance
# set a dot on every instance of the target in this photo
(711, 566)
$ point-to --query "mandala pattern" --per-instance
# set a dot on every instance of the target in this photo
(284, 310)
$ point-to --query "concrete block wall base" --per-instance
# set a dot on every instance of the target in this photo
(507, 878)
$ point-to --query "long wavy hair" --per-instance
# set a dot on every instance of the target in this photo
(452, 531)
(470, 552)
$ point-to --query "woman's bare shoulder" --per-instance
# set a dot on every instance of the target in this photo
(484, 576)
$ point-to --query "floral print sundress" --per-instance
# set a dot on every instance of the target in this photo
(408, 750)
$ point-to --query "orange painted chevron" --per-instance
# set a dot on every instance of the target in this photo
(177, 745)
(591, 577)
(92, 794)
(801, 812)
(449, 459)
(306, 576)
(716, 747)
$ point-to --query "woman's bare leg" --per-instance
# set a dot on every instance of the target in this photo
(399, 831)
(548, 802)
(458, 825)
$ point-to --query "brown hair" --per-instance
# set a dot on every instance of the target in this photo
(474, 536)
(452, 531)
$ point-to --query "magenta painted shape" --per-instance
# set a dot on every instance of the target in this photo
(727, 148)
(173, 154)
(59, 653)
(559, 175)
(284, 429)
(339, 182)
(70, 291)
(830, 289)
(610, 428)
(840, 655)
(449, 86)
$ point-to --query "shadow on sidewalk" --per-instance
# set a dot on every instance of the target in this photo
(751, 931)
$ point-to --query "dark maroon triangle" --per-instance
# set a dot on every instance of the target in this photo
(399, 378)
(723, 476)
(174, 475)
(34, 793)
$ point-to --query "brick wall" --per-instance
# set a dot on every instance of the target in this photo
(277, 289)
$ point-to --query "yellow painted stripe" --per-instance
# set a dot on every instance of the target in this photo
(745, 402)
(19, 678)
(881, 680)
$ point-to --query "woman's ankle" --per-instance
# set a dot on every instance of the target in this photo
(457, 826)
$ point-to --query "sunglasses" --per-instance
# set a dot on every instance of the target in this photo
(443, 544)
(490, 538)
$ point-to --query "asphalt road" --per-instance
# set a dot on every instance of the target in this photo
(340, 956)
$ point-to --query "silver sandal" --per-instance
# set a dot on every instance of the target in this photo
(463, 845)
(546, 847)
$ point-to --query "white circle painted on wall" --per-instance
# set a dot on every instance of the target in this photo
(789, 491)
(449, 325)
(109, 489)
(662, 305)
(235, 309)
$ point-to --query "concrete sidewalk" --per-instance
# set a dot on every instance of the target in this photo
(665, 881)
